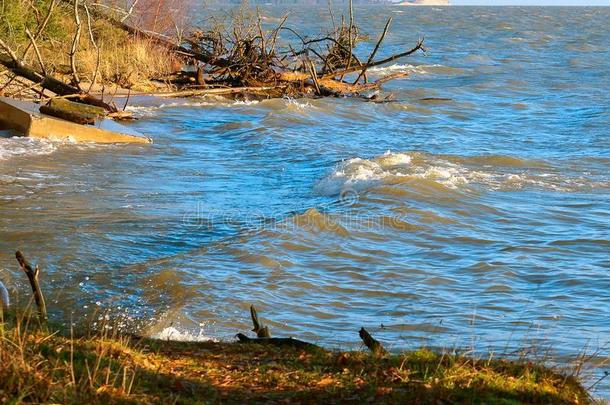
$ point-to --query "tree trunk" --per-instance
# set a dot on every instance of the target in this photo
(52, 84)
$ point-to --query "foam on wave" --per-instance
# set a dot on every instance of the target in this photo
(453, 172)
(175, 334)
(150, 110)
(24, 146)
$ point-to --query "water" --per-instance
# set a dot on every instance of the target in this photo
(480, 221)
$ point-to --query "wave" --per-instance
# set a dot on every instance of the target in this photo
(298, 105)
(316, 221)
(205, 101)
(217, 101)
(398, 68)
(416, 69)
(16, 146)
(175, 334)
(502, 173)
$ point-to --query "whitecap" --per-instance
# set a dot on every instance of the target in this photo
(355, 175)
(206, 101)
(452, 172)
(178, 335)
(299, 105)
(24, 146)
(397, 68)
(243, 102)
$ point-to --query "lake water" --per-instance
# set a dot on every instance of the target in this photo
(477, 220)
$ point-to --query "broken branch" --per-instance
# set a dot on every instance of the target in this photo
(260, 330)
(385, 31)
(32, 274)
(374, 345)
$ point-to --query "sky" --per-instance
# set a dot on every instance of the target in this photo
(533, 2)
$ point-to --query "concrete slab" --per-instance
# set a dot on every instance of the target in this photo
(24, 117)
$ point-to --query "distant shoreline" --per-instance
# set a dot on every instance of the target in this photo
(424, 3)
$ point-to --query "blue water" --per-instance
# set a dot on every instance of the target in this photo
(478, 222)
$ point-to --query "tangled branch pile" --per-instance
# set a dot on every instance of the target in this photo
(245, 57)
(277, 61)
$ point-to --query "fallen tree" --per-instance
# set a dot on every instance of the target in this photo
(242, 58)
(52, 84)
(249, 56)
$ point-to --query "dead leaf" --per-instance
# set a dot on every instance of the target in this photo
(325, 382)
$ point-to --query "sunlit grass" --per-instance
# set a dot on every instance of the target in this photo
(41, 365)
(123, 60)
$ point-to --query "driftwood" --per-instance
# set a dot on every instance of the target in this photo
(260, 330)
(220, 91)
(62, 103)
(418, 47)
(32, 274)
(279, 342)
(52, 84)
(264, 337)
(374, 345)
(241, 60)
(246, 57)
(368, 63)
(67, 115)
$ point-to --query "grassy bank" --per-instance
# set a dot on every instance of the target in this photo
(41, 365)
(123, 60)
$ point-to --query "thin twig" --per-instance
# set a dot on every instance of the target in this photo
(40, 28)
(314, 76)
(419, 46)
(97, 49)
(10, 53)
(332, 15)
(351, 40)
(75, 41)
(130, 11)
(385, 31)
(36, 51)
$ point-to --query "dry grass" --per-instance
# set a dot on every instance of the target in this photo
(123, 60)
(39, 366)
(128, 62)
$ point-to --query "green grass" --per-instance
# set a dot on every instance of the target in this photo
(43, 366)
(17, 15)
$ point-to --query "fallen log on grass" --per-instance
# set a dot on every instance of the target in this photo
(264, 337)
(278, 342)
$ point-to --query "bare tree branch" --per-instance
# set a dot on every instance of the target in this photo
(385, 31)
(36, 50)
(75, 41)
